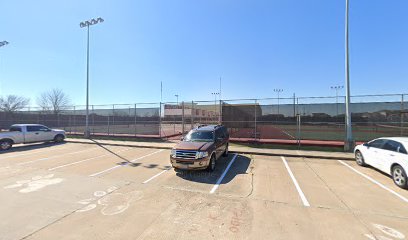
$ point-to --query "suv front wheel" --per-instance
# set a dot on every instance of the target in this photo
(225, 154)
(211, 166)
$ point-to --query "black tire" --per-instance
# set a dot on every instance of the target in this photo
(211, 166)
(59, 138)
(6, 144)
(399, 176)
(225, 153)
(360, 159)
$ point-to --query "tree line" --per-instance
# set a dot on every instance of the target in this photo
(53, 101)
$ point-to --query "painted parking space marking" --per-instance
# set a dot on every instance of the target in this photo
(155, 176)
(53, 157)
(131, 161)
(85, 160)
(299, 190)
(38, 151)
(390, 232)
(215, 187)
(374, 181)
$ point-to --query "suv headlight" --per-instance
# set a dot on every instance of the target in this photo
(173, 153)
(201, 155)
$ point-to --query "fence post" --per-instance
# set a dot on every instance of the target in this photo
(93, 121)
(160, 126)
(135, 119)
(255, 133)
(74, 120)
(294, 105)
(192, 114)
(182, 118)
(298, 129)
(402, 115)
(220, 117)
(108, 125)
(113, 119)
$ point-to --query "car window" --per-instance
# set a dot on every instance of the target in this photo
(34, 128)
(391, 146)
(219, 133)
(401, 149)
(15, 129)
(377, 143)
(43, 128)
(199, 136)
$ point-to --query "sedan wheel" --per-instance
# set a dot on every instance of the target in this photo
(360, 158)
(399, 176)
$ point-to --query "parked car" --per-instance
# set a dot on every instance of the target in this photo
(29, 133)
(388, 155)
(201, 148)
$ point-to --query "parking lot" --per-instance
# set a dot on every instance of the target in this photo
(91, 191)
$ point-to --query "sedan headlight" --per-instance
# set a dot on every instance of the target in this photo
(201, 155)
(173, 153)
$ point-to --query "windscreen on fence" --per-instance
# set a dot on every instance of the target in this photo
(306, 118)
(379, 116)
(321, 118)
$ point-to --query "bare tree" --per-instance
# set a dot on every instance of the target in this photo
(13, 103)
(54, 100)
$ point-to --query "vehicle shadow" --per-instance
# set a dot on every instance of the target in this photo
(33, 146)
(240, 166)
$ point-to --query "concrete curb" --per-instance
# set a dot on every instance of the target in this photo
(284, 154)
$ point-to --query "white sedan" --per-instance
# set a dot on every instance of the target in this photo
(388, 155)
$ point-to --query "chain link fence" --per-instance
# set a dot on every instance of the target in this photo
(294, 119)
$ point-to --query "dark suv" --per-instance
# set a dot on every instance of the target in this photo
(201, 148)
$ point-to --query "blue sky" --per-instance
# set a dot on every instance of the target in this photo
(255, 46)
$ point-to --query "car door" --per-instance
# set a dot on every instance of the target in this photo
(371, 152)
(45, 134)
(393, 152)
(32, 133)
(219, 139)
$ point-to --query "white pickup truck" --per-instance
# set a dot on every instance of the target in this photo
(29, 133)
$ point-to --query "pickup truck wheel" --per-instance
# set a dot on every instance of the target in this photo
(5, 145)
(59, 138)
(211, 166)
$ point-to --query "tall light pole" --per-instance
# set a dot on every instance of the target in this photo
(348, 146)
(337, 88)
(2, 44)
(87, 24)
(215, 102)
(278, 91)
(176, 95)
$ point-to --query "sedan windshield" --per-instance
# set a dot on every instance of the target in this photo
(200, 136)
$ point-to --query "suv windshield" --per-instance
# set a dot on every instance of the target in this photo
(200, 136)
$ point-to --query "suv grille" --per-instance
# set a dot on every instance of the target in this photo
(186, 154)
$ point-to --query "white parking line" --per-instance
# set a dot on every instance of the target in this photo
(301, 194)
(61, 155)
(374, 181)
(215, 187)
(160, 173)
(118, 166)
(29, 153)
(86, 160)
